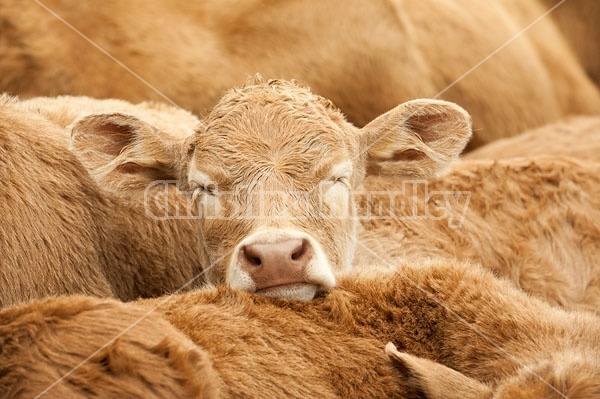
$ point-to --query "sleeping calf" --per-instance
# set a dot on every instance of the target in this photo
(282, 182)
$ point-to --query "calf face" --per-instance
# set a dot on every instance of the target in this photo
(272, 170)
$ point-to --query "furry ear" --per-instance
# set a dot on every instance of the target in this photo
(435, 380)
(416, 139)
(121, 151)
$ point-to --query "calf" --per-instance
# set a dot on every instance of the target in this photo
(62, 234)
(278, 176)
(516, 76)
(460, 333)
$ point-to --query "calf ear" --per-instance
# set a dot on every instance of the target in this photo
(416, 139)
(434, 380)
(122, 151)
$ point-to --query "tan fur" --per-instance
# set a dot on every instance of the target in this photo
(376, 55)
(475, 328)
(62, 234)
(577, 137)
(534, 222)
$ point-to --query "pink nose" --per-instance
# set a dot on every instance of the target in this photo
(277, 263)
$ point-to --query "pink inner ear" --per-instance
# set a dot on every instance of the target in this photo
(116, 137)
(408, 155)
(426, 126)
(129, 167)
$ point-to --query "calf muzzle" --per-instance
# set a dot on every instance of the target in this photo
(278, 263)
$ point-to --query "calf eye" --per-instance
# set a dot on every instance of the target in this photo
(210, 188)
(203, 189)
(343, 180)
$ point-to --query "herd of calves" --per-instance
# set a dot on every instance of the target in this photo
(482, 274)
(293, 244)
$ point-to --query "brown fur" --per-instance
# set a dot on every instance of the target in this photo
(62, 234)
(457, 319)
(577, 137)
(377, 55)
(151, 359)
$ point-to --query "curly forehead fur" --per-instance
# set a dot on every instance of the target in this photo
(286, 95)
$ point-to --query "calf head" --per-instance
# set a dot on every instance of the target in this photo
(272, 170)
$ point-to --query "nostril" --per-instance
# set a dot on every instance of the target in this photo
(298, 252)
(251, 257)
(254, 260)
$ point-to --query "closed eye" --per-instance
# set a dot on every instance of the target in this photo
(202, 184)
(341, 172)
(341, 179)
(202, 189)
(209, 188)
